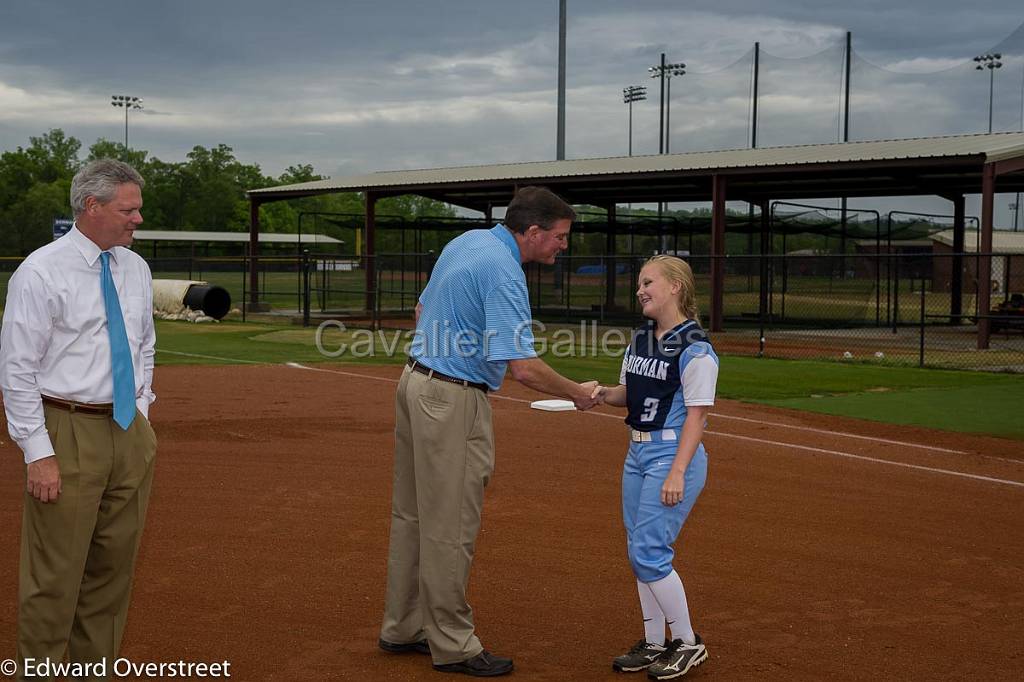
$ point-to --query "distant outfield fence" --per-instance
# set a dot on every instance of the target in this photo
(874, 308)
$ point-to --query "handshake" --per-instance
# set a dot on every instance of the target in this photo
(591, 395)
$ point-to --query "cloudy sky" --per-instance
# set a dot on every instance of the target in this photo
(352, 86)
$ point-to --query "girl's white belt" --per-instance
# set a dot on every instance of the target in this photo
(652, 436)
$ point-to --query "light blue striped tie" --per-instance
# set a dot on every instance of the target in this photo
(120, 354)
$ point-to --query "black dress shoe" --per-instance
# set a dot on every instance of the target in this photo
(420, 647)
(484, 664)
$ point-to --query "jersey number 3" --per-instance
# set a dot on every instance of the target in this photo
(650, 409)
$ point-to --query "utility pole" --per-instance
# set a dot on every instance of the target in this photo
(753, 124)
(846, 138)
(560, 141)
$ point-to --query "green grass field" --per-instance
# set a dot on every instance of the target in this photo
(971, 402)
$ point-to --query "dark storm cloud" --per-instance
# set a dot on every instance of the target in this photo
(357, 86)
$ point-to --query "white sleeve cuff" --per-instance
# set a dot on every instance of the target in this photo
(36, 446)
(143, 405)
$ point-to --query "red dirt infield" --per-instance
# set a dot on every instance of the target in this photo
(812, 554)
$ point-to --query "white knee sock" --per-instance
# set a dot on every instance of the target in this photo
(654, 619)
(672, 601)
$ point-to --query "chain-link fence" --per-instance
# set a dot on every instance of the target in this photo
(885, 308)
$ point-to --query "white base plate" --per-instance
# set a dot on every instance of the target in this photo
(553, 405)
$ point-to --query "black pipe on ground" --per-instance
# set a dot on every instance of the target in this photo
(213, 300)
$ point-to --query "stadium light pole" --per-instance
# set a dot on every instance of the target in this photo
(663, 71)
(1016, 213)
(669, 70)
(666, 72)
(630, 94)
(127, 102)
(990, 62)
(658, 71)
(560, 132)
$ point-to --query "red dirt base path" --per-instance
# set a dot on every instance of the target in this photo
(812, 554)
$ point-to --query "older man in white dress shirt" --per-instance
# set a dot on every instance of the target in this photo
(76, 370)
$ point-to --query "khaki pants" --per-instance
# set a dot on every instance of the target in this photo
(444, 457)
(78, 553)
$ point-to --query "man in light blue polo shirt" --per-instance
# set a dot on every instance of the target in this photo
(473, 322)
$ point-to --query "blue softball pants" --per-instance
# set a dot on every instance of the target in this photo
(652, 527)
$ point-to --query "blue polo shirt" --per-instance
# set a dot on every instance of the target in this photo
(476, 309)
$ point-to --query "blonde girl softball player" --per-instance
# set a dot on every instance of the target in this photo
(667, 383)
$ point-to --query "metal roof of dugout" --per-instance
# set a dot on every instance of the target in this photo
(948, 167)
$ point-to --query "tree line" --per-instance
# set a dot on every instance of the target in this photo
(206, 191)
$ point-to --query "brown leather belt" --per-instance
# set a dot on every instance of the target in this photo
(84, 408)
(423, 369)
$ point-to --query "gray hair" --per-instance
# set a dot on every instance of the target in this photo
(100, 179)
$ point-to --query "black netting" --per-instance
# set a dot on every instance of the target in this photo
(928, 97)
(710, 109)
(799, 99)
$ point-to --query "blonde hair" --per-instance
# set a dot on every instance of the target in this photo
(678, 271)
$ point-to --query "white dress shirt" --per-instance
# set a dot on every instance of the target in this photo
(54, 339)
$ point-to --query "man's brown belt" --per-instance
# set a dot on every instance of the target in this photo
(84, 408)
(423, 369)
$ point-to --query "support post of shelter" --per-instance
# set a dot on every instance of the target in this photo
(843, 227)
(369, 257)
(956, 282)
(254, 251)
(609, 261)
(489, 215)
(718, 190)
(762, 308)
(988, 188)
